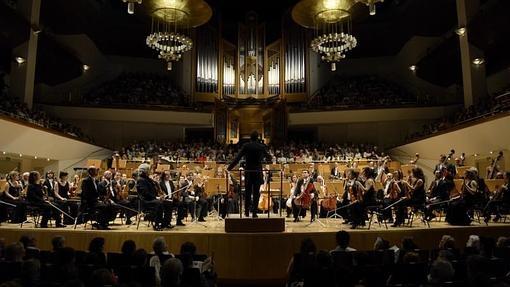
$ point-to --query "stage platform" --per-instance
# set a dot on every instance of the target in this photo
(257, 257)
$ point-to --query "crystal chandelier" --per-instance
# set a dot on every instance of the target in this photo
(333, 38)
(169, 30)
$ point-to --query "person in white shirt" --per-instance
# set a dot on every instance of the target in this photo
(342, 240)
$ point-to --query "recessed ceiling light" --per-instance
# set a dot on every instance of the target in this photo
(20, 60)
(478, 61)
(461, 31)
(86, 67)
(413, 68)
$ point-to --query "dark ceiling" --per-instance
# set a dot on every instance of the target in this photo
(115, 32)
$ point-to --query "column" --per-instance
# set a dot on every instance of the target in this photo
(473, 76)
(22, 75)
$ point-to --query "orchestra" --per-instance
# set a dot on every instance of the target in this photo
(154, 195)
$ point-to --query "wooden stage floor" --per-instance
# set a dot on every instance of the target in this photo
(252, 256)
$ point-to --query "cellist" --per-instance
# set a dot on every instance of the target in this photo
(305, 196)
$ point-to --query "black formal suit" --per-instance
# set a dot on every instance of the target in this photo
(147, 191)
(298, 210)
(50, 186)
(254, 153)
(35, 197)
(90, 202)
(335, 172)
(175, 203)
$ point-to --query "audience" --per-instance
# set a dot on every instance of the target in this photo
(485, 108)
(308, 267)
(287, 153)
(13, 107)
(137, 89)
(342, 240)
(361, 91)
(161, 254)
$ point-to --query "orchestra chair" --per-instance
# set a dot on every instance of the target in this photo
(376, 210)
(413, 213)
(86, 214)
(35, 213)
(147, 213)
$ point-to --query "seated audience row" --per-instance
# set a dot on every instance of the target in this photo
(287, 153)
(137, 89)
(23, 264)
(361, 91)
(483, 262)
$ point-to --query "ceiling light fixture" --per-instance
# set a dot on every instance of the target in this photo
(20, 60)
(131, 5)
(478, 61)
(86, 67)
(413, 68)
(461, 31)
(371, 5)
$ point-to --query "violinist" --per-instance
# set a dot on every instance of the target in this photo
(304, 197)
(366, 197)
(170, 194)
(439, 191)
(37, 198)
(350, 190)
(62, 194)
(90, 200)
(12, 193)
(500, 202)
(400, 194)
(335, 172)
(122, 197)
(198, 205)
(416, 187)
(49, 183)
(391, 193)
(148, 193)
(108, 193)
(469, 190)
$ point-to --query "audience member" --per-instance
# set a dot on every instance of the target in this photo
(171, 273)
(96, 254)
(342, 242)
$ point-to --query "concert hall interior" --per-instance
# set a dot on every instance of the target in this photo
(232, 143)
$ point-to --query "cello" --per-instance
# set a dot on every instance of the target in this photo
(304, 199)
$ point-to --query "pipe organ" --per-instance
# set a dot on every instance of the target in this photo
(207, 60)
(247, 67)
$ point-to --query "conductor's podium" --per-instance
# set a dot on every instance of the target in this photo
(254, 225)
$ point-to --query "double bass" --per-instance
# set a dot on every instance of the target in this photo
(491, 173)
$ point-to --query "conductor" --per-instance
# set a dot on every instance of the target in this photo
(253, 152)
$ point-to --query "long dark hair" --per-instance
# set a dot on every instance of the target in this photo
(418, 173)
(33, 177)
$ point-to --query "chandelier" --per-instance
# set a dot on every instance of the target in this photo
(169, 30)
(172, 21)
(331, 21)
(333, 38)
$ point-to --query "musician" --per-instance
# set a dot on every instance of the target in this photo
(24, 180)
(391, 193)
(441, 164)
(499, 202)
(62, 195)
(254, 152)
(314, 172)
(335, 172)
(91, 200)
(12, 193)
(121, 198)
(366, 197)
(49, 183)
(350, 190)
(469, 190)
(304, 188)
(492, 169)
(400, 194)
(146, 188)
(37, 198)
(198, 198)
(416, 186)
(439, 191)
(170, 194)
